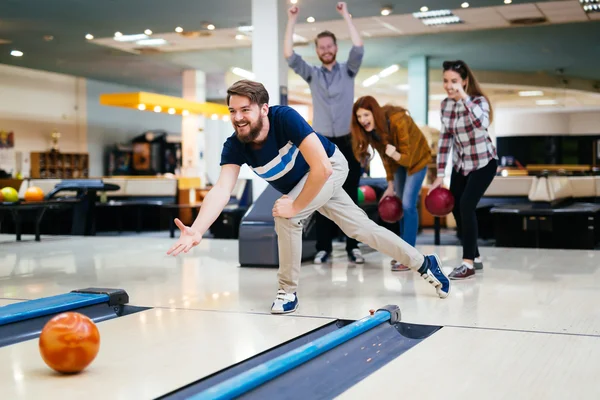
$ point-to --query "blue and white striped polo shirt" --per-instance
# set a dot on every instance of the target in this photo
(279, 161)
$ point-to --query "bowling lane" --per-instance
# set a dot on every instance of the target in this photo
(460, 363)
(148, 354)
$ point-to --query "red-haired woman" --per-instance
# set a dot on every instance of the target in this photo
(466, 115)
(405, 153)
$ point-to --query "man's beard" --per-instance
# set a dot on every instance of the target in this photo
(252, 135)
(333, 56)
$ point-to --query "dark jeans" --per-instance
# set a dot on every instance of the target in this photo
(327, 229)
(467, 191)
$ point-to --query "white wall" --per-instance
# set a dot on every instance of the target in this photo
(34, 103)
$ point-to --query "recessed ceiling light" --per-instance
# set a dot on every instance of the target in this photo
(293, 1)
(148, 32)
(424, 9)
(157, 109)
(89, 36)
(210, 27)
(118, 34)
(16, 53)
(185, 112)
(465, 5)
(141, 107)
(179, 29)
(310, 19)
(240, 36)
(530, 93)
(387, 10)
(507, 1)
(171, 111)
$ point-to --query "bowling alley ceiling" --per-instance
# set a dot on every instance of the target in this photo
(549, 37)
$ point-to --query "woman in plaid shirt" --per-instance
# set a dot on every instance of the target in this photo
(466, 115)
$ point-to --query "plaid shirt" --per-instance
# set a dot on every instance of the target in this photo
(464, 125)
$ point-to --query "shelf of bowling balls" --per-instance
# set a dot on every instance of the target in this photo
(17, 207)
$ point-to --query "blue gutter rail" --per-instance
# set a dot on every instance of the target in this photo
(48, 305)
(248, 380)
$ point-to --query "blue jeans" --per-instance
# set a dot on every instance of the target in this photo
(408, 187)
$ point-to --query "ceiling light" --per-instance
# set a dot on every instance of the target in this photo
(148, 32)
(293, 1)
(16, 53)
(225, 118)
(245, 28)
(118, 34)
(214, 117)
(239, 36)
(430, 14)
(185, 113)
(530, 93)
(370, 80)
(157, 109)
(151, 42)
(424, 9)
(388, 71)
(404, 87)
(179, 29)
(310, 19)
(48, 38)
(507, 1)
(171, 111)
(387, 10)
(243, 73)
(141, 107)
(210, 27)
(546, 102)
(442, 20)
(89, 36)
(130, 38)
(465, 5)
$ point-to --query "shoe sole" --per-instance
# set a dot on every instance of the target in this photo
(433, 281)
(462, 279)
(284, 312)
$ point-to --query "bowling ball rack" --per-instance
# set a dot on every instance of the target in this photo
(320, 364)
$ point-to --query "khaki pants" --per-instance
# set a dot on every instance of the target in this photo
(334, 203)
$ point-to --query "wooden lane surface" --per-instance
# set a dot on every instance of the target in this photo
(464, 363)
(148, 354)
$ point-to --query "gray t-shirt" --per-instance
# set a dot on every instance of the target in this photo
(332, 91)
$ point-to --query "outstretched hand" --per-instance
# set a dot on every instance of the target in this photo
(188, 239)
(437, 183)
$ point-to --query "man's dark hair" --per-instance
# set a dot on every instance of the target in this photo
(255, 91)
(326, 34)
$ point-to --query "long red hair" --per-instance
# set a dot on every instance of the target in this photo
(360, 138)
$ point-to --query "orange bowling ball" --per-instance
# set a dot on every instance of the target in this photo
(69, 342)
(34, 193)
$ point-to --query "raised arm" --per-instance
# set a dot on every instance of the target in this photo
(342, 8)
(294, 60)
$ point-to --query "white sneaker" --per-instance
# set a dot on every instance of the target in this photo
(284, 303)
(321, 257)
(356, 256)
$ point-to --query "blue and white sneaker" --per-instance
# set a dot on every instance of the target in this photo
(284, 303)
(321, 257)
(436, 276)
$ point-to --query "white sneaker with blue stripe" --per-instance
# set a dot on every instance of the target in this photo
(436, 276)
(284, 303)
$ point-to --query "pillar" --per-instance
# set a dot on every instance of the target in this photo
(418, 95)
(269, 19)
(192, 127)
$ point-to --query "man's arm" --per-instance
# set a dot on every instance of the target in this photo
(294, 60)
(217, 198)
(320, 170)
(354, 35)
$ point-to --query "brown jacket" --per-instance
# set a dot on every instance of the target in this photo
(409, 141)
